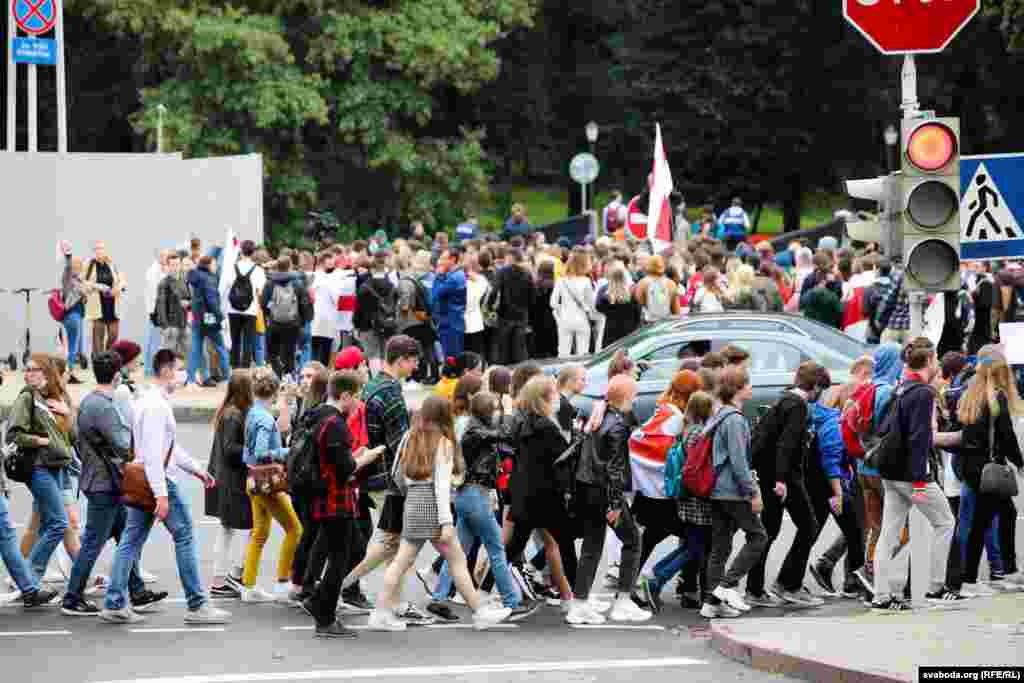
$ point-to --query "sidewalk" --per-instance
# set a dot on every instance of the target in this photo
(870, 647)
(192, 405)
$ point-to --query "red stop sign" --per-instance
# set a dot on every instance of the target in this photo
(905, 26)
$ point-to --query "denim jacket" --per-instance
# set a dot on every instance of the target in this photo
(263, 443)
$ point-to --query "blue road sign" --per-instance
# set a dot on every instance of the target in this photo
(35, 51)
(35, 17)
(991, 207)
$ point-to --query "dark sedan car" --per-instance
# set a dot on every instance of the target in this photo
(777, 344)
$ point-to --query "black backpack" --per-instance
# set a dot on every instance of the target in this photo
(19, 462)
(385, 319)
(240, 296)
(303, 461)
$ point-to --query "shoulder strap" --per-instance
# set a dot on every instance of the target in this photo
(167, 460)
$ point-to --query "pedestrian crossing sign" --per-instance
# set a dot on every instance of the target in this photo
(991, 207)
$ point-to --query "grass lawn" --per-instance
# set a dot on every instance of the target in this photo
(548, 205)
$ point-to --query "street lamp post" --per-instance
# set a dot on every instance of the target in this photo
(892, 138)
(160, 111)
(591, 130)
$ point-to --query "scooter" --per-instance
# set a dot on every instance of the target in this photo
(27, 292)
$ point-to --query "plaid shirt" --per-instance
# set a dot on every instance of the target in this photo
(894, 313)
(693, 510)
(387, 419)
(334, 447)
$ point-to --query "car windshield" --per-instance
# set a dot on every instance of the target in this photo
(645, 333)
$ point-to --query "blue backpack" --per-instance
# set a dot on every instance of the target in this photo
(674, 461)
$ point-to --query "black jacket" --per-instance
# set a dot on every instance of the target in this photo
(228, 500)
(171, 297)
(533, 495)
(566, 414)
(605, 461)
(781, 442)
(974, 450)
(622, 319)
(916, 406)
(515, 285)
(480, 451)
(368, 299)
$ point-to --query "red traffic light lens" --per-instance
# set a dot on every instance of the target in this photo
(931, 146)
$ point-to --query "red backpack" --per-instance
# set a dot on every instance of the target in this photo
(699, 474)
(56, 305)
(856, 418)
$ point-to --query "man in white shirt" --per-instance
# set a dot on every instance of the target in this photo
(325, 309)
(243, 322)
(154, 432)
(151, 338)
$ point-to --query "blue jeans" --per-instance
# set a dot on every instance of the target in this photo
(150, 345)
(968, 502)
(73, 330)
(476, 521)
(261, 350)
(306, 345)
(53, 519)
(692, 549)
(105, 520)
(137, 528)
(17, 567)
(197, 359)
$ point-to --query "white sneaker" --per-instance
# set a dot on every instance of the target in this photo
(124, 615)
(730, 597)
(385, 620)
(489, 615)
(722, 611)
(566, 605)
(207, 614)
(256, 595)
(583, 613)
(599, 606)
(625, 609)
(459, 600)
(9, 598)
(1016, 578)
(976, 590)
(613, 572)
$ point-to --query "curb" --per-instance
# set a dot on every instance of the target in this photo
(756, 655)
(182, 413)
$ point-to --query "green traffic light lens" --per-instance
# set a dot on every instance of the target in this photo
(933, 263)
(932, 204)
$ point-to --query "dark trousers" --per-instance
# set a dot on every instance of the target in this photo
(728, 517)
(340, 535)
(511, 343)
(570, 561)
(798, 505)
(322, 350)
(243, 339)
(309, 561)
(661, 525)
(853, 533)
(424, 335)
(955, 563)
(593, 507)
(282, 340)
(987, 507)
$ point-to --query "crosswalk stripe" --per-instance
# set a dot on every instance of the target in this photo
(34, 633)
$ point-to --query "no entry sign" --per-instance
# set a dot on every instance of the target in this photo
(35, 17)
(910, 26)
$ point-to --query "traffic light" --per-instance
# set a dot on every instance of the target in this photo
(880, 228)
(931, 203)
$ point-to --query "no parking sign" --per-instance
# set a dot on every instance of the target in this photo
(35, 17)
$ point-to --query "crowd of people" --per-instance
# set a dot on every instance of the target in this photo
(497, 468)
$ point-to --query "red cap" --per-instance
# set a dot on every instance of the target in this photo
(128, 350)
(350, 358)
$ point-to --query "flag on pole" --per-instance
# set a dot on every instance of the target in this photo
(228, 258)
(659, 213)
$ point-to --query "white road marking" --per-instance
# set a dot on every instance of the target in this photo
(425, 671)
(184, 601)
(366, 627)
(184, 629)
(34, 633)
(620, 627)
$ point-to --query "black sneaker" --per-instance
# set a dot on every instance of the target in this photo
(39, 598)
(355, 602)
(944, 595)
(442, 611)
(654, 590)
(890, 605)
(334, 630)
(823, 578)
(78, 607)
(525, 609)
(147, 598)
(224, 591)
(234, 582)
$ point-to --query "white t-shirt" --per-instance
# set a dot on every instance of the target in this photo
(476, 288)
(153, 277)
(325, 304)
(258, 279)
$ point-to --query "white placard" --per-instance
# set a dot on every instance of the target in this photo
(1011, 336)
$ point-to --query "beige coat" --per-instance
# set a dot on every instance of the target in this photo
(93, 310)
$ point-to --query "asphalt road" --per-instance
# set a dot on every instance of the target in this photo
(275, 643)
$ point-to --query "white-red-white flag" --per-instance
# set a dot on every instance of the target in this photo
(659, 213)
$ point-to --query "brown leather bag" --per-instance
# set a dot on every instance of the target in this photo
(266, 480)
(135, 489)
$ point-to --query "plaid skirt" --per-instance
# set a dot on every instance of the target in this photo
(693, 510)
(419, 522)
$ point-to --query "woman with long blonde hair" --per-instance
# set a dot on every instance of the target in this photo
(427, 462)
(986, 412)
(572, 302)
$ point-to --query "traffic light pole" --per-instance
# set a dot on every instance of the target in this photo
(911, 110)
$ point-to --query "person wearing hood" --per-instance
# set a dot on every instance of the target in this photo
(207, 320)
(736, 501)
(287, 306)
(449, 301)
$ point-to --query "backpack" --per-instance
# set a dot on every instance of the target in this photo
(303, 460)
(698, 473)
(18, 463)
(674, 461)
(385, 320)
(857, 417)
(284, 305)
(419, 305)
(56, 305)
(240, 296)
(658, 305)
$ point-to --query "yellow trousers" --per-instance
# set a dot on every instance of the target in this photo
(264, 508)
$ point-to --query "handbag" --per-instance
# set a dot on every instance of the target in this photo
(266, 480)
(135, 489)
(996, 479)
(589, 312)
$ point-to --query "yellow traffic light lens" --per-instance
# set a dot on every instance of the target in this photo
(931, 146)
(932, 204)
(933, 263)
